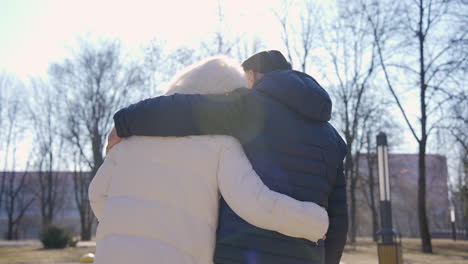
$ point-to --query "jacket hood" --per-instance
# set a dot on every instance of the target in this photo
(298, 91)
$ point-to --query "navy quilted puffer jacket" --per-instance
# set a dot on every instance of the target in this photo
(282, 125)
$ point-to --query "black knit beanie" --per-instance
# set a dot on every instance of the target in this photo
(266, 61)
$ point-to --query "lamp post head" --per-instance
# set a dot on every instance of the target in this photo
(382, 139)
(382, 161)
(452, 214)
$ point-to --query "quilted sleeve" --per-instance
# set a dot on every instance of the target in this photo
(248, 196)
(99, 186)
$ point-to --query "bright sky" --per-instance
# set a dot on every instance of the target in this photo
(35, 33)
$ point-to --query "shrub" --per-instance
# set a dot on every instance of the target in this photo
(55, 237)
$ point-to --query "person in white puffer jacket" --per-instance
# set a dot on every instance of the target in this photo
(156, 198)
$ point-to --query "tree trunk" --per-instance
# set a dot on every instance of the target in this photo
(353, 225)
(87, 216)
(423, 222)
(46, 221)
(352, 192)
(464, 205)
(375, 222)
(10, 232)
(86, 224)
(86, 233)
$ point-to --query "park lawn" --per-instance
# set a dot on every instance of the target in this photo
(363, 252)
(445, 251)
(35, 254)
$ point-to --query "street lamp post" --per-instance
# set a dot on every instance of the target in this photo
(452, 220)
(384, 189)
(389, 249)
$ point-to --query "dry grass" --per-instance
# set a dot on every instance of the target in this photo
(35, 254)
(445, 252)
(363, 252)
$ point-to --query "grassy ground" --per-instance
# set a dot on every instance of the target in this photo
(364, 252)
(445, 252)
(35, 254)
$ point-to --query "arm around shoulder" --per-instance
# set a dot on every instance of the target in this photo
(181, 115)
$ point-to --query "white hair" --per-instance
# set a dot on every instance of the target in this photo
(218, 74)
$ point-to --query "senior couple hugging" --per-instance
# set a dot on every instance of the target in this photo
(235, 164)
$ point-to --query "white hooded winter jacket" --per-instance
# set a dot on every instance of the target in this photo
(156, 200)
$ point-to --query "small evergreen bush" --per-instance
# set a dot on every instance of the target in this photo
(55, 237)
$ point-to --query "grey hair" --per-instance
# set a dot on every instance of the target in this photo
(218, 74)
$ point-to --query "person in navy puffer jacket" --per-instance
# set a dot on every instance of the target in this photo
(282, 124)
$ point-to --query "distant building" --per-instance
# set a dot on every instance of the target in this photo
(67, 216)
(403, 170)
(403, 177)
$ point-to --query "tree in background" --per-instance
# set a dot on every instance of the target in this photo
(223, 42)
(248, 47)
(81, 180)
(464, 204)
(457, 131)
(49, 151)
(458, 124)
(377, 119)
(14, 184)
(93, 84)
(351, 53)
(159, 65)
(414, 38)
(152, 65)
(300, 35)
(3, 102)
(370, 184)
(18, 200)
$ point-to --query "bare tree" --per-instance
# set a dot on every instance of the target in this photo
(178, 59)
(222, 42)
(93, 84)
(49, 148)
(453, 132)
(80, 186)
(160, 64)
(17, 200)
(378, 119)
(351, 53)
(13, 183)
(3, 86)
(9, 115)
(3, 102)
(283, 18)
(457, 129)
(464, 208)
(458, 23)
(300, 34)
(154, 66)
(424, 46)
(223, 46)
(370, 191)
(248, 47)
